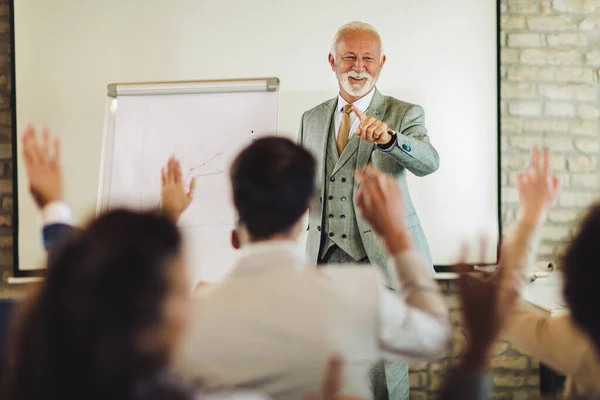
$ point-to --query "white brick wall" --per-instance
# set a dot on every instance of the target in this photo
(551, 57)
(550, 96)
(567, 40)
(551, 61)
(576, 6)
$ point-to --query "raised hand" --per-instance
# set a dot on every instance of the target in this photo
(379, 200)
(42, 165)
(538, 187)
(174, 198)
(371, 129)
(486, 305)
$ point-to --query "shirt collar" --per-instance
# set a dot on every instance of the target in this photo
(267, 246)
(266, 252)
(362, 103)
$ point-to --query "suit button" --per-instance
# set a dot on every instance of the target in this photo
(319, 228)
(343, 198)
(344, 236)
(343, 179)
(330, 234)
(332, 179)
(330, 216)
(342, 216)
(330, 197)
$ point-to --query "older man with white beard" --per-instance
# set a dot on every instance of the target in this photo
(358, 127)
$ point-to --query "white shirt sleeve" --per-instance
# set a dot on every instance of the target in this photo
(409, 334)
(57, 212)
(231, 395)
(414, 323)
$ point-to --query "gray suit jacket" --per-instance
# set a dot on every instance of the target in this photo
(413, 152)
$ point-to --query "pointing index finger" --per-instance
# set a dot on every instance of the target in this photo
(361, 115)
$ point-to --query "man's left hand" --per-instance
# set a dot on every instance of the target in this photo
(371, 129)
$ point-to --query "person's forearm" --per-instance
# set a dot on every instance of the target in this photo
(555, 341)
(466, 385)
(520, 246)
(172, 215)
(476, 357)
(413, 149)
(397, 241)
(417, 156)
(417, 286)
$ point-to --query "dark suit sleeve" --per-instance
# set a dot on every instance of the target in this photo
(55, 233)
(413, 149)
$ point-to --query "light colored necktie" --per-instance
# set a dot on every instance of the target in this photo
(343, 133)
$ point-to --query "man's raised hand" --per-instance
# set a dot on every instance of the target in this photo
(42, 165)
(538, 187)
(379, 200)
(371, 129)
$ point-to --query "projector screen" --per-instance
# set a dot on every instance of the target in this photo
(441, 55)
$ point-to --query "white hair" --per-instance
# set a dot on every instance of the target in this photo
(354, 26)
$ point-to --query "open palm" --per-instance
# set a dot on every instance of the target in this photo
(174, 196)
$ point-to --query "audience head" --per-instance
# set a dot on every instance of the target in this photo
(106, 319)
(356, 57)
(581, 274)
(273, 184)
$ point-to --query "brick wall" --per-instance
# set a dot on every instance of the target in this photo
(550, 96)
(550, 54)
(516, 376)
(6, 192)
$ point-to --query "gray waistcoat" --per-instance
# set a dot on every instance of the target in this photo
(339, 219)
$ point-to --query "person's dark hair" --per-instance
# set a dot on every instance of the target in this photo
(273, 181)
(78, 337)
(581, 274)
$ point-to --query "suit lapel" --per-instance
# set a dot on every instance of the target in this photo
(348, 152)
(317, 141)
(376, 109)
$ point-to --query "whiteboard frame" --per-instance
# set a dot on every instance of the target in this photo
(114, 90)
(193, 87)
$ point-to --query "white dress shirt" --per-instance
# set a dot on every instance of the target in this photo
(362, 104)
(273, 322)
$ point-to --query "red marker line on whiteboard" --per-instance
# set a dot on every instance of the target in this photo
(202, 165)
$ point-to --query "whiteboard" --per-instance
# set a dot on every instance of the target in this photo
(441, 55)
(205, 125)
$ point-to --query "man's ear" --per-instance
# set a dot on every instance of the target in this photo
(331, 61)
(235, 239)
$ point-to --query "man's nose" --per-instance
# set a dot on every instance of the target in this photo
(359, 65)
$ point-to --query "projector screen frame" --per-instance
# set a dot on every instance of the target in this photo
(443, 271)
